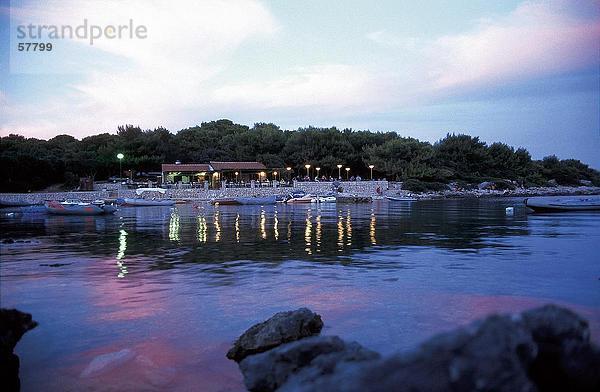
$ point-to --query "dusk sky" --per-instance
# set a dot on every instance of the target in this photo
(526, 73)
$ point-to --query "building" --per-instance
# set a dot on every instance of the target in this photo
(213, 172)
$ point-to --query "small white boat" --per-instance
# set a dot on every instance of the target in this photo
(400, 198)
(563, 204)
(300, 200)
(145, 201)
(324, 199)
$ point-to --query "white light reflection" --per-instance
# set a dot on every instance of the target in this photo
(174, 226)
(349, 228)
(276, 227)
(237, 228)
(308, 233)
(340, 230)
(121, 254)
(202, 229)
(263, 225)
(318, 233)
(372, 229)
(217, 225)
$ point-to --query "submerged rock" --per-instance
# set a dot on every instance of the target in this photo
(108, 361)
(544, 349)
(283, 327)
(13, 325)
(307, 359)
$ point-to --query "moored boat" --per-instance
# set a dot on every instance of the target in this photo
(144, 201)
(77, 207)
(563, 204)
(224, 201)
(299, 198)
(257, 200)
(400, 198)
(15, 203)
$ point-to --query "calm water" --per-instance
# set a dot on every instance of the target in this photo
(177, 285)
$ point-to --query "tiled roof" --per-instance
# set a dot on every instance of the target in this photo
(186, 167)
(237, 166)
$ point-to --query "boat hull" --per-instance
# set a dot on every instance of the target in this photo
(256, 200)
(56, 208)
(147, 203)
(391, 198)
(563, 204)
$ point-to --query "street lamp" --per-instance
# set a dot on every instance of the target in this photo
(288, 169)
(307, 167)
(371, 167)
(275, 174)
(347, 173)
(318, 170)
(120, 157)
(339, 171)
(236, 176)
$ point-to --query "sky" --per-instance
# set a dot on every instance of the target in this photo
(526, 73)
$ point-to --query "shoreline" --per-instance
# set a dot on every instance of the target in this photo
(519, 192)
(366, 189)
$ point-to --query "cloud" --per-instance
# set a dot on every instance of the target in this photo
(179, 74)
(327, 86)
(536, 40)
(145, 81)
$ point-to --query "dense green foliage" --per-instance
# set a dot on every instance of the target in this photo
(31, 164)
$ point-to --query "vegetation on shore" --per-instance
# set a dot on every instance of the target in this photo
(28, 164)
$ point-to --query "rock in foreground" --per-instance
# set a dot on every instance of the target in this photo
(13, 325)
(283, 327)
(307, 360)
(544, 349)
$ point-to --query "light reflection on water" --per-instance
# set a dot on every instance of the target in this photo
(176, 285)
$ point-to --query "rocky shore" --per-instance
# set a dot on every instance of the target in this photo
(543, 349)
(490, 193)
(13, 325)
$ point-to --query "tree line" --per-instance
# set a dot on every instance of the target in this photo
(29, 164)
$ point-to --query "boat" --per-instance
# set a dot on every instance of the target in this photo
(256, 200)
(77, 207)
(400, 198)
(15, 203)
(144, 201)
(245, 201)
(324, 199)
(224, 201)
(563, 204)
(299, 198)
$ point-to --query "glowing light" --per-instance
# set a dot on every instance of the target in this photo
(372, 229)
(349, 228)
(120, 156)
(174, 226)
(318, 232)
(121, 254)
(263, 225)
(308, 233)
(275, 227)
(217, 225)
(237, 228)
(340, 227)
(202, 229)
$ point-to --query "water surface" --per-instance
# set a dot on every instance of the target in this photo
(177, 285)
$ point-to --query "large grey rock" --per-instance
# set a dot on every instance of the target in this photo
(566, 360)
(544, 349)
(282, 328)
(489, 355)
(13, 325)
(307, 360)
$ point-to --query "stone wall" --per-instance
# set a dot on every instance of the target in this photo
(360, 188)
